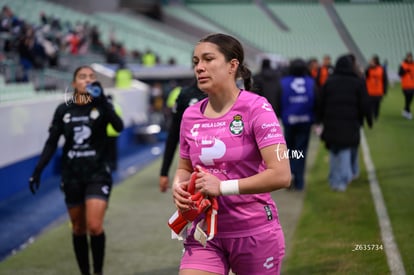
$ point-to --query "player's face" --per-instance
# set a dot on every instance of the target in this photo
(211, 68)
(84, 77)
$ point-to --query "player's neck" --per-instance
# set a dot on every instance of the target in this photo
(220, 103)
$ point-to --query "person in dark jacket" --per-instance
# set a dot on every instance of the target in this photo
(297, 107)
(267, 83)
(344, 108)
(188, 96)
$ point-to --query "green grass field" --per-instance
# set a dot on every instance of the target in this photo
(333, 223)
(330, 225)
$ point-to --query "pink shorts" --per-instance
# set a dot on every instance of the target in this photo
(259, 254)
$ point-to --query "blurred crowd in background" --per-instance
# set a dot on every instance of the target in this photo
(40, 45)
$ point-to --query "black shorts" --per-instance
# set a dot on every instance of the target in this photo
(76, 193)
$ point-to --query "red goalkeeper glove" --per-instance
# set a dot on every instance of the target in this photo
(180, 219)
(206, 229)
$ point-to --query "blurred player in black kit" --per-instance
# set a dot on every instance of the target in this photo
(86, 177)
(187, 97)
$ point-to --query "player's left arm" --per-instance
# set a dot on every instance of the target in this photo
(273, 150)
(276, 175)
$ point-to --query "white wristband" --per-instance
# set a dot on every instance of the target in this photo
(229, 187)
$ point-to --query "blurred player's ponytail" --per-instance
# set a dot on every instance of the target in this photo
(246, 75)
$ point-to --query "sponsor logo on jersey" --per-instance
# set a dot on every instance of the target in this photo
(214, 124)
(268, 264)
(293, 119)
(270, 125)
(237, 125)
(298, 85)
(268, 212)
(82, 133)
(212, 149)
(105, 189)
(94, 113)
(273, 135)
(66, 118)
(81, 154)
(266, 106)
(80, 118)
(192, 101)
(194, 130)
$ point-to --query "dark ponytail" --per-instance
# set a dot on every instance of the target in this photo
(246, 75)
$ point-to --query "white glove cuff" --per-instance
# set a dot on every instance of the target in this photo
(229, 187)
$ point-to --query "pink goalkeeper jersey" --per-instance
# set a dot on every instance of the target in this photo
(228, 147)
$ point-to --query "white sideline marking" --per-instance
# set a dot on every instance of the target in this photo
(391, 249)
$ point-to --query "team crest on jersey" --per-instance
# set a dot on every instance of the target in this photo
(237, 125)
(94, 113)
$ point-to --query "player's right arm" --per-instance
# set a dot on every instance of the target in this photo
(49, 149)
(181, 179)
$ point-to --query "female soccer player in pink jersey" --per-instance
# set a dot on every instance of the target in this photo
(235, 137)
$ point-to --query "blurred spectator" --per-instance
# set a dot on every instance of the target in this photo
(121, 50)
(96, 43)
(73, 42)
(51, 52)
(377, 84)
(357, 68)
(31, 53)
(123, 77)
(313, 67)
(157, 105)
(55, 24)
(267, 83)
(136, 56)
(324, 71)
(171, 61)
(9, 24)
(8, 21)
(297, 107)
(149, 59)
(172, 96)
(50, 43)
(113, 56)
(26, 56)
(406, 72)
(43, 18)
(344, 107)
